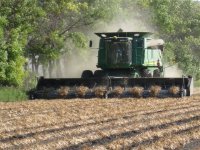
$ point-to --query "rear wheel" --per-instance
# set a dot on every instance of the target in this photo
(146, 73)
(156, 73)
(87, 74)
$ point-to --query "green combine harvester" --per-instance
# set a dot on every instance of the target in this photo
(131, 65)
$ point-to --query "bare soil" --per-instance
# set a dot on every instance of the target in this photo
(193, 145)
(131, 123)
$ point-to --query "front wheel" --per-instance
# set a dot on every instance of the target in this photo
(87, 74)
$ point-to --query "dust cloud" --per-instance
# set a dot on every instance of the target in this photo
(72, 67)
(172, 71)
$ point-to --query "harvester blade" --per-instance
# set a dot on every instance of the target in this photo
(112, 87)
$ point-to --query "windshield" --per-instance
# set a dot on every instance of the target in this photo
(119, 52)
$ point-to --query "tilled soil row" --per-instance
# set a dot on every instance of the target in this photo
(101, 124)
(54, 138)
(140, 117)
(102, 117)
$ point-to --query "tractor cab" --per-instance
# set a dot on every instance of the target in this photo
(133, 51)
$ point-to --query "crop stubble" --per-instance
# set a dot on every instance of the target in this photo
(100, 124)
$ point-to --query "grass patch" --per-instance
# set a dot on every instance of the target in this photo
(12, 94)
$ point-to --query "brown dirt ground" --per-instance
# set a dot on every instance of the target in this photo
(131, 123)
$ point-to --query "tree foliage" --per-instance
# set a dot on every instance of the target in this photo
(62, 25)
(178, 22)
(16, 23)
(41, 30)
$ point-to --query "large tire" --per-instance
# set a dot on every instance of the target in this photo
(156, 73)
(146, 73)
(87, 74)
(99, 73)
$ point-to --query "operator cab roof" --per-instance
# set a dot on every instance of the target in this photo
(123, 34)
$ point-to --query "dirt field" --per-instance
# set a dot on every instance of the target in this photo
(152, 124)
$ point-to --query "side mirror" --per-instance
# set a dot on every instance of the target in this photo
(90, 43)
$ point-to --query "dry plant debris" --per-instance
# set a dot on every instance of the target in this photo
(154, 90)
(82, 90)
(100, 91)
(63, 90)
(118, 90)
(174, 90)
(137, 91)
(131, 123)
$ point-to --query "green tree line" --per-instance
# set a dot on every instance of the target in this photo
(178, 23)
(41, 31)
